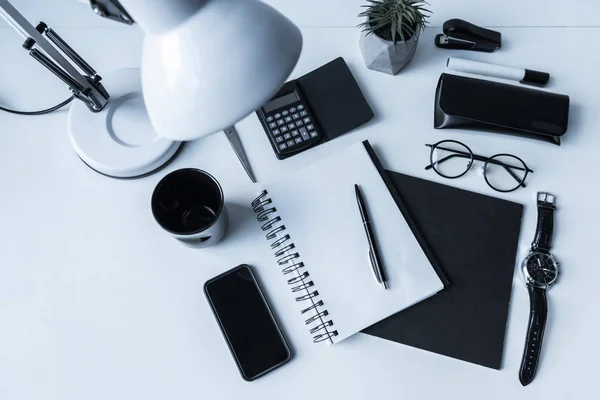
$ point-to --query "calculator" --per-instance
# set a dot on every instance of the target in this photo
(288, 122)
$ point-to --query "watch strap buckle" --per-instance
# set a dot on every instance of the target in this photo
(546, 199)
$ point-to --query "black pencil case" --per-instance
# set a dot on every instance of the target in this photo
(477, 104)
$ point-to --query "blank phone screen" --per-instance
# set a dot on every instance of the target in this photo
(247, 324)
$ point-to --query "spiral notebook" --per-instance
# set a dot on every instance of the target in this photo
(315, 231)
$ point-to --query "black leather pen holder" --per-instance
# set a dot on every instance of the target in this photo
(476, 104)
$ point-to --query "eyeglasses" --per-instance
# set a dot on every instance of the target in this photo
(502, 172)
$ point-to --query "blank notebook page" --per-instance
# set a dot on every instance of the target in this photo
(319, 209)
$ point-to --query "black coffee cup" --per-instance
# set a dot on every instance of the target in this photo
(189, 204)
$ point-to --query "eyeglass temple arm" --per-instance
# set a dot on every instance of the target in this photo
(508, 168)
(463, 154)
(441, 160)
(495, 162)
(475, 157)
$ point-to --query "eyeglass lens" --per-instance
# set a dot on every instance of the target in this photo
(451, 159)
(504, 172)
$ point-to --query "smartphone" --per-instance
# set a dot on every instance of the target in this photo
(247, 323)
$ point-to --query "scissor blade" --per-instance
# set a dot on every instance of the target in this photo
(235, 142)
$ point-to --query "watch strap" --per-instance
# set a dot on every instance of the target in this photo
(535, 333)
(545, 223)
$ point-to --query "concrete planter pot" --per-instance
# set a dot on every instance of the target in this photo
(383, 56)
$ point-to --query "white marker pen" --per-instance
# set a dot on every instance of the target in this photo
(525, 76)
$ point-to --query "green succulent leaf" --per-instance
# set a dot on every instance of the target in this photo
(395, 20)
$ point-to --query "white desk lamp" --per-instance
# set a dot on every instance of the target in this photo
(206, 64)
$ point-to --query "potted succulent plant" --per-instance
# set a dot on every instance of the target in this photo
(390, 33)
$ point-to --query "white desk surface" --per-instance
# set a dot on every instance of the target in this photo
(96, 302)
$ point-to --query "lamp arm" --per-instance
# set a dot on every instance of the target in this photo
(85, 86)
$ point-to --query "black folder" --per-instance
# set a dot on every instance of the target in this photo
(472, 239)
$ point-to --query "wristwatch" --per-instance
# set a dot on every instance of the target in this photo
(540, 270)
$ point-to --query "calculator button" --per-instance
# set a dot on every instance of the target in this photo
(284, 129)
(277, 116)
(290, 143)
(288, 119)
(280, 122)
(296, 116)
(314, 134)
(303, 113)
(291, 126)
(272, 125)
(300, 107)
(310, 127)
(287, 136)
(275, 132)
(285, 112)
(307, 120)
(282, 146)
(304, 133)
(293, 109)
(299, 123)
(295, 133)
(279, 139)
(298, 140)
(269, 118)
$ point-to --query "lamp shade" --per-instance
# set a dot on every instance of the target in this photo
(207, 64)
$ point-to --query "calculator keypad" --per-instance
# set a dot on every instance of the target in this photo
(304, 133)
(291, 129)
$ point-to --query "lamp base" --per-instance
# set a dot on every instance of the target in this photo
(119, 141)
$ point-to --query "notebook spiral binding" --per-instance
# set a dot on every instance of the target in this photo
(321, 325)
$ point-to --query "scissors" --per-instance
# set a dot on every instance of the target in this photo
(235, 142)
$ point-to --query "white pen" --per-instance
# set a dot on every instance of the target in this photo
(525, 76)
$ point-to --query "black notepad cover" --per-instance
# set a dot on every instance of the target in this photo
(335, 98)
(474, 239)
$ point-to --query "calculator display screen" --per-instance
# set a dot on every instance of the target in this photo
(280, 102)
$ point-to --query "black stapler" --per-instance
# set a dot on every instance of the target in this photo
(463, 35)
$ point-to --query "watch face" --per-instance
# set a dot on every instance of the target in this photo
(540, 269)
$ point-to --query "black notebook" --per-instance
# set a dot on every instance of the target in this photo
(473, 238)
